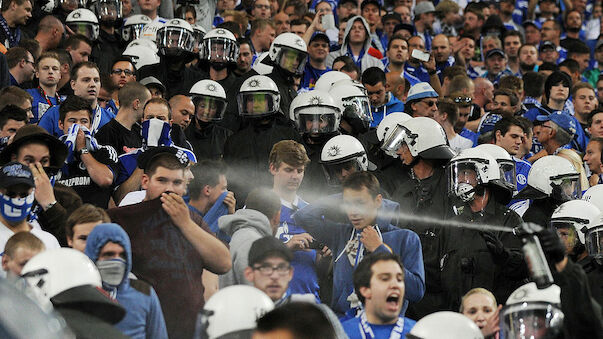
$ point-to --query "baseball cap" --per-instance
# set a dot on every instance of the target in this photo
(547, 44)
(533, 23)
(424, 7)
(370, 2)
(495, 51)
(390, 16)
(268, 247)
(343, 2)
(35, 133)
(150, 81)
(321, 36)
(405, 26)
(421, 90)
(15, 173)
(562, 120)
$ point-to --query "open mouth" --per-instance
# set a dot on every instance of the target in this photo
(393, 301)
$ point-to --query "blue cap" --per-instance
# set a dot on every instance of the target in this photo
(533, 23)
(488, 123)
(562, 120)
(320, 35)
(495, 51)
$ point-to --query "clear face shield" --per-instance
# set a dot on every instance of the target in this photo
(507, 173)
(357, 108)
(594, 242)
(108, 10)
(132, 32)
(257, 104)
(87, 29)
(209, 108)
(198, 35)
(292, 60)
(336, 172)
(463, 178)
(316, 120)
(394, 141)
(566, 187)
(175, 38)
(566, 230)
(219, 50)
(531, 320)
(70, 5)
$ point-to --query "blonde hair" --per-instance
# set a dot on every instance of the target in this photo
(476, 291)
(575, 159)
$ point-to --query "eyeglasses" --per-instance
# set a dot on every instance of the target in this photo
(262, 6)
(281, 269)
(463, 100)
(430, 103)
(30, 62)
(118, 71)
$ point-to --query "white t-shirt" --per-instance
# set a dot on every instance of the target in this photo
(459, 143)
(133, 198)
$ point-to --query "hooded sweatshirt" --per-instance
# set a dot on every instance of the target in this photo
(144, 318)
(364, 59)
(244, 227)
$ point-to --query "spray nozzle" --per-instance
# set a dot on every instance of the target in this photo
(527, 229)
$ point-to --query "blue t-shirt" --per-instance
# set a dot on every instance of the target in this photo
(353, 329)
(311, 74)
(41, 103)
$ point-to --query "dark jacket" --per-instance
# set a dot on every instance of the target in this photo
(175, 82)
(107, 48)
(540, 211)
(208, 142)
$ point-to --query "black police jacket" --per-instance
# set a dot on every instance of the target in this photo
(208, 142)
(175, 82)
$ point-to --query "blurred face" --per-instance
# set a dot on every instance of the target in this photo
(110, 251)
(287, 177)
(511, 141)
(182, 111)
(122, 72)
(33, 153)
(318, 50)
(398, 51)
(81, 118)
(149, 5)
(163, 180)
(404, 12)
(298, 30)
(428, 19)
(49, 71)
(82, 53)
(592, 156)
(189, 17)
(389, 26)
(599, 55)
(468, 49)
(568, 237)
(265, 38)
(347, 10)
(528, 55)
(357, 33)
(282, 22)
(574, 21)
(502, 104)
(441, 48)
(244, 59)
(22, 12)
(532, 35)
(479, 308)
(549, 55)
(596, 127)
(464, 112)
(585, 101)
(28, 69)
(511, 45)
(261, 9)
(14, 264)
(271, 276)
(80, 235)
(361, 207)
(545, 132)
(377, 94)
(384, 296)
(471, 22)
(582, 60)
(10, 128)
(224, 5)
(427, 107)
(371, 14)
(559, 92)
(496, 64)
(415, 43)
(87, 84)
(156, 111)
(549, 32)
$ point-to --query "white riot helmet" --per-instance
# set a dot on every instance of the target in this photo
(219, 46)
(143, 42)
(71, 5)
(425, 138)
(390, 132)
(108, 10)
(141, 56)
(209, 98)
(575, 215)
(552, 176)
(133, 27)
(49, 6)
(469, 172)
(315, 113)
(342, 152)
(199, 32)
(594, 195)
(262, 64)
(258, 97)
(232, 310)
(326, 80)
(289, 52)
(532, 313)
(505, 163)
(175, 38)
(150, 31)
(594, 238)
(445, 325)
(83, 21)
(57, 270)
(354, 105)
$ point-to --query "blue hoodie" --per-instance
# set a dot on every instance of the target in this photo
(144, 318)
(405, 243)
(392, 105)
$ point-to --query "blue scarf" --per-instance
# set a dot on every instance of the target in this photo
(360, 56)
(215, 212)
(12, 39)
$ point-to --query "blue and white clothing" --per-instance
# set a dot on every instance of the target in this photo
(41, 103)
(354, 329)
(311, 74)
(392, 105)
(419, 73)
(50, 120)
(522, 168)
(441, 66)
(469, 134)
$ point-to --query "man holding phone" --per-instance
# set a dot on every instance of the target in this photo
(421, 66)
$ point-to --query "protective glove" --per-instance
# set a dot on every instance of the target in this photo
(500, 254)
(551, 245)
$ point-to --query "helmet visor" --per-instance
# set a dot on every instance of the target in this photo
(336, 172)
(219, 50)
(507, 173)
(108, 10)
(86, 29)
(463, 177)
(257, 104)
(198, 35)
(531, 320)
(567, 187)
(209, 108)
(131, 32)
(357, 107)
(175, 38)
(316, 120)
(594, 242)
(70, 5)
(393, 141)
(292, 60)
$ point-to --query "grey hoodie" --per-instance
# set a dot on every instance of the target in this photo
(367, 60)
(244, 227)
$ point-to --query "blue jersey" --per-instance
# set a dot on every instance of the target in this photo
(354, 330)
(469, 134)
(305, 279)
(50, 120)
(417, 72)
(311, 74)
(41, 103)
(522, 168)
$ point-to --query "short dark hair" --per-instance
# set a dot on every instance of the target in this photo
(205, 173)
(503, 125)
(85, 214)
(450, 108)
(303, 320)
(548, 66)
(359, 180)
(122, 59)
(592, 115)
(242, 41)
(74, 41)
(132, 91)
(12, 112)
(14, 55)
(577, 47)
(364, 270)
(160, 101)
(373, 75)
(512, 97)
(533, 84)
(571, 64)
(526, 124)
(395, 37)
(231, 26)
(453, 71)
(88, 64)
(513, 33)
(6, 4)
(32, 46)
(64, 57)
(264, 201)
(165, 160)
(74, 103)
(13, 95)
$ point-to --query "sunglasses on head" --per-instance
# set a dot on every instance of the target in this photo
(463, 100)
